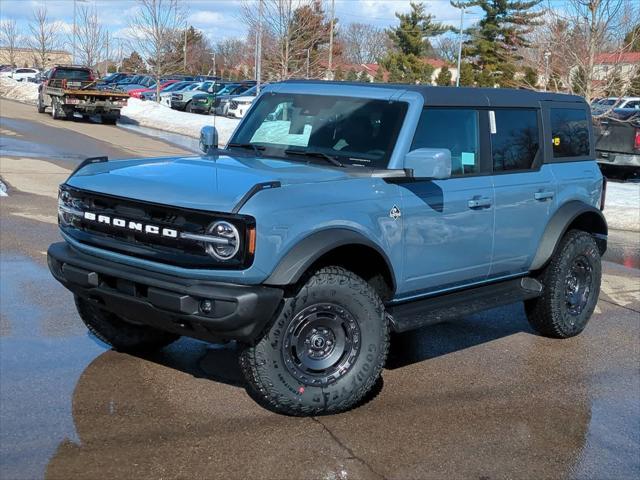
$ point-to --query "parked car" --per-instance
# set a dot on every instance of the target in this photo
(204, 102)
(138, 92)
(171, 86)
(182, 100)
(335, 215)
(23, 74)
(238, 106)
(145, 81)
(618, 142)
(220, 105)
(112, 79)
(606, 105)
(165, 97)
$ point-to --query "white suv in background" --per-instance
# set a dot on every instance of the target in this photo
(238, 106)
(24, 74)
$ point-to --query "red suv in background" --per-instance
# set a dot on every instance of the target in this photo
(137, 93)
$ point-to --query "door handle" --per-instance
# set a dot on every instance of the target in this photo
(479, 202)
(542, 196)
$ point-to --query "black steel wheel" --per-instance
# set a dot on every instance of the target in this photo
(324, 351)
(571, 288)
(321, 344)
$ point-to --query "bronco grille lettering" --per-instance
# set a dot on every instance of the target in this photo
(131, 225)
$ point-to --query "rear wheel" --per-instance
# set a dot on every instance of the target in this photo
(325, 350)
(571, 287)
(41, 105)
(119, 333)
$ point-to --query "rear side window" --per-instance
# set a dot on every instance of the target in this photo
(455, 130)
(515, 139)
(569, 132)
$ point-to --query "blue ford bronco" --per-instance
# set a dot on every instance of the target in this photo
(337, 214)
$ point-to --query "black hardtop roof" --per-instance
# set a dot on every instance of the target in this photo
(466, 96)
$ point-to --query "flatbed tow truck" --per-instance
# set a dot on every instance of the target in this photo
(71, 89)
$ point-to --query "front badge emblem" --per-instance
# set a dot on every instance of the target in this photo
(395, 213)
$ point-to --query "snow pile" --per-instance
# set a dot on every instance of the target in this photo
(622, 206)
(22, 91)
(3, 190)
(153, 115)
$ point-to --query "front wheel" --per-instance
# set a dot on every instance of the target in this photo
(122, 335)
(187, 107)
(325, 350)
(571, 288)
(41, 106)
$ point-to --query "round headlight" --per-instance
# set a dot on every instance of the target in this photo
(226, 231)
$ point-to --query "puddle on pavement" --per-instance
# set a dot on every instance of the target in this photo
(466, 399)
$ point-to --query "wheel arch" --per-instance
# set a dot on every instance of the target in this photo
(337, 247)
(572, 215)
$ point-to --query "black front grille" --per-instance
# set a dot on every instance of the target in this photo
(233, 105)
(174, 251)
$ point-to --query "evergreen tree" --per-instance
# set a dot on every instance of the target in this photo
(530, 77)
(496, 39)
(634, 86)
(485, 78)
(466, 75)
(411, 39)
(352, 76)
(134, 64)
(633, 39)
(444, 77)
(579, 81)
(615, 85)
(379, 78)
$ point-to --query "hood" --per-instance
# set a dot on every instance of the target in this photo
(203, 183)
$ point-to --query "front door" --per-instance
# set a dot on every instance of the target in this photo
(448, 224)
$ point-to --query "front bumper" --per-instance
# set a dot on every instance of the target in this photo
(169, 303)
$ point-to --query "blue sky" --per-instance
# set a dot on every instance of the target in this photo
(220, 18)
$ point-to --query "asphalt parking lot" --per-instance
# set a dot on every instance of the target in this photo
(479, 398)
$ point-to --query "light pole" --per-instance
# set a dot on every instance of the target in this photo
(460, 47)
(258, 67)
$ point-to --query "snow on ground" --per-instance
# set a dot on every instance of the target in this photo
(622, 206)
(153, 115)
(3, 190)
(22, 91)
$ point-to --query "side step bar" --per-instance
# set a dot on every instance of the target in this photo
(432, 310)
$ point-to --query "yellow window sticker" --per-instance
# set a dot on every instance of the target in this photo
(556, 141)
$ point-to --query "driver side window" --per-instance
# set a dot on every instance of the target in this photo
(454, 129)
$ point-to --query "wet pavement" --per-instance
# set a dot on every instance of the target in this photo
(479, 398)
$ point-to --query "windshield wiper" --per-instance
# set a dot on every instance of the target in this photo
(310, 153)
(248, 146)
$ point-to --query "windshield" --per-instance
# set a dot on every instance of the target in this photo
(228, 89)
(354, 131)
(174, 86)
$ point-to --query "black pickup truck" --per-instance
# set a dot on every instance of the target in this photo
(618, 143)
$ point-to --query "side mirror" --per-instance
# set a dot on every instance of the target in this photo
(432, 163)
(208, 139)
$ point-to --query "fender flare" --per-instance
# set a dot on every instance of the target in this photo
(558, 226)
(297, 261)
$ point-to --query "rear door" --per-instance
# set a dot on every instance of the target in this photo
(525, 189)
(448, 224)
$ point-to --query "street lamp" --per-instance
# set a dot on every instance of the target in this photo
(547, 56)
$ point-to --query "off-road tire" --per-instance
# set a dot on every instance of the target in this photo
(109, 119)
(267, 366)
(549, 314)
(120, 334)
(187, 107)
(58, 112)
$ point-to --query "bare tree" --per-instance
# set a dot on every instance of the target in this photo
(291, 31)
(10, 38)
(571, 44)
(446, 48)
(153, 32)
(230, 54)
(364, 43)
(44, 38)
(91, 37)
